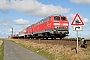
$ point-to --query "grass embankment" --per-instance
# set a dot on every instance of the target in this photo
(2, 51)
(39, 51)
(55, 51)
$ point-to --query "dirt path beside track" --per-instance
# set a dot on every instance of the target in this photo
(14, 52)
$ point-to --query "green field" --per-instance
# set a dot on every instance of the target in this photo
(2, 51)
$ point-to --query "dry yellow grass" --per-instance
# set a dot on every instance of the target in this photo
(1, 42)
(61, 52)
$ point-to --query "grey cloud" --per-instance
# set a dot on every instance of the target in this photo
(6, 22)
(32, 7)
(81, 1)
(21, 22)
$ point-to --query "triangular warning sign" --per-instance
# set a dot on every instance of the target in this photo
(77, 20)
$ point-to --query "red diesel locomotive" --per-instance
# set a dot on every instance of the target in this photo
(55, 26)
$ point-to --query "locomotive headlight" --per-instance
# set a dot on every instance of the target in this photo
(55, 27)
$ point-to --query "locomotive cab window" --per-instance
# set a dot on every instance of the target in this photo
(56, 18)
(63, 18)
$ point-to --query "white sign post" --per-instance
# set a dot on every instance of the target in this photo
(77, 24)
(77, 42)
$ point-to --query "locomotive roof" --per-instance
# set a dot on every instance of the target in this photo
(56, 15)
(45, 19)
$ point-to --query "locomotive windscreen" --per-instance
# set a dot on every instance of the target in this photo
(63, 18)
(56, 18)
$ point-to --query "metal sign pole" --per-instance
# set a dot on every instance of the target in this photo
(77, 43)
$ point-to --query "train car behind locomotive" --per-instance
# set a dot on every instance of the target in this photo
(55, 26)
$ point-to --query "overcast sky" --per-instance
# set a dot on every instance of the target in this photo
(18, 14)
